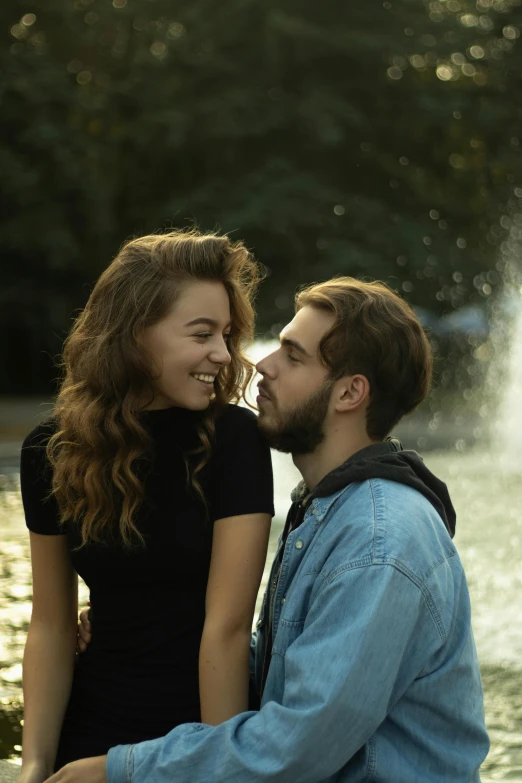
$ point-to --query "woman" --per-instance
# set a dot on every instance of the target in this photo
(156, 490)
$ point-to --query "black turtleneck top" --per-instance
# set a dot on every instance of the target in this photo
(138, 678)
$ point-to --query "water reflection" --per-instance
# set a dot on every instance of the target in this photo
(14, 577)
(502, 687)
(15, 610)
(11, 716)
(486, 494)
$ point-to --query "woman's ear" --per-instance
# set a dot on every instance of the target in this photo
(351, 392)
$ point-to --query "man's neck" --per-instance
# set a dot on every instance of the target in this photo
(331, 453)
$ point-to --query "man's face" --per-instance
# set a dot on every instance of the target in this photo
(295, 391)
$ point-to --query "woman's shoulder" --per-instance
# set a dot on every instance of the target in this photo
(236, 419)
(236, 426)
(241, 466)
(39, 436)
(35, 467)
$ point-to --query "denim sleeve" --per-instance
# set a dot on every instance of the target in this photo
(343, 673)
(119, 763)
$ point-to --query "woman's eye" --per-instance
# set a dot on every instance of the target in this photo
(292, 358)
(207, 335)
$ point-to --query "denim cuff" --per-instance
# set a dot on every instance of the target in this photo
(119, 764)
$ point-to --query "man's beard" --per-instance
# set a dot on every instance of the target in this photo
(299, 431)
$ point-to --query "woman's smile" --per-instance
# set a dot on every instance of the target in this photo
(206, 379)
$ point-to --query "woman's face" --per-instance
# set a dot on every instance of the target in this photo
(189, 347)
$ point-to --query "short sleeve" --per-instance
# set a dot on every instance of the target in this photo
(242, 481)
(41, 509)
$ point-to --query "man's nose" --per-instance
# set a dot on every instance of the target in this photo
(266, 366)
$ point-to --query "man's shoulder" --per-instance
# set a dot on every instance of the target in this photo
(383, 522)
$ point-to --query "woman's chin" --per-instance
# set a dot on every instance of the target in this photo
(198, 405)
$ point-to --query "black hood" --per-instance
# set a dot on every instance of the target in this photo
(387, 460)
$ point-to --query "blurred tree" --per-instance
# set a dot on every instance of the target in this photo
(377, 139)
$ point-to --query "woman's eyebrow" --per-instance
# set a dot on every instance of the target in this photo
(207, 321)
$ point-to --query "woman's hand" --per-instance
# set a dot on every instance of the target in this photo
(84, 630)
(83, 771)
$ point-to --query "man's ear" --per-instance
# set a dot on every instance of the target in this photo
(351, 392)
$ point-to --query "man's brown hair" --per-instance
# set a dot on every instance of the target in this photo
(375, 334)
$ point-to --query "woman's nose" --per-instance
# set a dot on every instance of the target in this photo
(220, 353)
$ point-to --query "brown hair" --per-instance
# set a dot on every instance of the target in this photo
(376, 334)
(100, 439)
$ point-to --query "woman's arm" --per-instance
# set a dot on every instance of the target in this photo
(49, 654)
(238, 557)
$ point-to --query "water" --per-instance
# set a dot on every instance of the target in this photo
(486, 492)
(506, 430)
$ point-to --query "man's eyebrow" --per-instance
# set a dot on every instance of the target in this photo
(207, 321)
(288, 343)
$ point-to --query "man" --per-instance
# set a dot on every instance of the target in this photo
(364, 657)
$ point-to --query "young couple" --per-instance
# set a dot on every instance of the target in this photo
(157, 490)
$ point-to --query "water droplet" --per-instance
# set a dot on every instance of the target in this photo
(158, 49)
(458, 58)
(477, 52)
(84, 77)
(176, 30)
(444, 73)
(510, 32)
(418, 61)
(394, 73)
(457, 161)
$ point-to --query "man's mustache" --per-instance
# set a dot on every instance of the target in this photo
(262, 388)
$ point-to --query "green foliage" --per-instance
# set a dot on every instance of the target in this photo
(377, 139)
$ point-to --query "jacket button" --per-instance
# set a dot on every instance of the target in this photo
(283, 600)
(299, 544)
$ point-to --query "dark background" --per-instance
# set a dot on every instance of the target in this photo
(377, 139)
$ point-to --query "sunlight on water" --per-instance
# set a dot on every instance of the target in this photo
(15, 611)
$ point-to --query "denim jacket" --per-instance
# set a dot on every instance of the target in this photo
(373, 674)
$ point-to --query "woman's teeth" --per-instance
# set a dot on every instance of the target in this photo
(204, 378)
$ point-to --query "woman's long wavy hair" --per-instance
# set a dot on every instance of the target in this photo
(100, 441)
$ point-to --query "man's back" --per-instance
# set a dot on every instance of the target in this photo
(373, 574)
